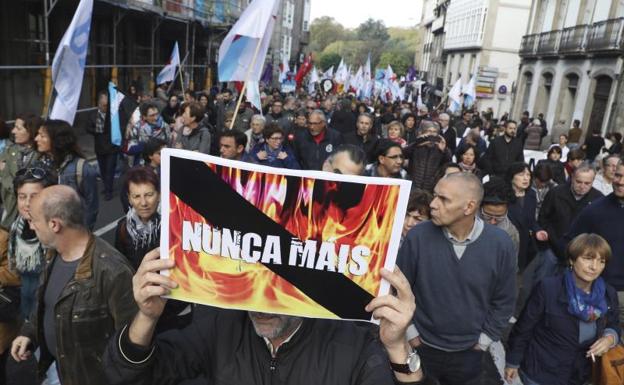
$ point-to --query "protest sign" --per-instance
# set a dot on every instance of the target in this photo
(251, 237)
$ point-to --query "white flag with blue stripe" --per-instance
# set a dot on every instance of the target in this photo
(69, 63)
(115, 100)
(236, 53)
(167, 74)
(470, 92)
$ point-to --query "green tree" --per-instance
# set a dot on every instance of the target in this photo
(329, 59)
(398, 60)
(372, 30)
(324, 31)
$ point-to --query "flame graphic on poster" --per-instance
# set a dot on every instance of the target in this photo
(293, 203)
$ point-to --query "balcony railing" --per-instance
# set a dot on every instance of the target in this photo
(606, 35)
(548, 43)
(527, 47)
(573, 39)
(603, 37)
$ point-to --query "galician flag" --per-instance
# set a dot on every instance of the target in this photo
(329, 74)
(168, 73)
(242, 53)
(115, 98)
(69, 63)
(284, 69)
(454, 96)
(470, 91)
(314, 78)
(252, 92)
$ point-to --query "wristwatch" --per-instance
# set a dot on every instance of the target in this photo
(411, 365)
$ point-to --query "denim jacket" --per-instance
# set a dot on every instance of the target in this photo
(87, 190)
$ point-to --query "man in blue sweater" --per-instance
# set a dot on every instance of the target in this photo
(463, 274)
(605, 217)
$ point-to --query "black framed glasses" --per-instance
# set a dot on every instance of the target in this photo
(33, 172)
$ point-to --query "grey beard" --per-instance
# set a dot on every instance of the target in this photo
(286, 327)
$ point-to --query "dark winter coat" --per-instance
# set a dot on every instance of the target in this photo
(425, 159)
(545, 340)
(310, 154)
(559, 210)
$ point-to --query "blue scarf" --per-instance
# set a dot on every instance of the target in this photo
(586, 307)
(272, 154)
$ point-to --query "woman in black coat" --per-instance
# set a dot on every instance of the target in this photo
(521, 212)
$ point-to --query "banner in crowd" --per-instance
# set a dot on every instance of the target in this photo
(293, 242)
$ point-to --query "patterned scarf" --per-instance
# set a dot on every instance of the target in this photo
(586, 307)
(26, 254)
(142, 234)
(467, 168)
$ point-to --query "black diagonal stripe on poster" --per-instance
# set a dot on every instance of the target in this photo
(215, 201)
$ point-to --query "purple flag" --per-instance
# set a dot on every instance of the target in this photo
(267, 74)
(411, 74)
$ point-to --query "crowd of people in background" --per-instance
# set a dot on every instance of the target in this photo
(527, 251)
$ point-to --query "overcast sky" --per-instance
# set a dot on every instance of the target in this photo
(350, 13)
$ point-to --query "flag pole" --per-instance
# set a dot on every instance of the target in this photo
(240, 97)
(181, 78)
(176, 75)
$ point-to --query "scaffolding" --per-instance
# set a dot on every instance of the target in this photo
(116, 48)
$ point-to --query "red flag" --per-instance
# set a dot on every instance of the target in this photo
(239, 86)
(305, 68)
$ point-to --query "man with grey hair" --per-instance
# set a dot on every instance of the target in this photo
(562, 205)
(85, 293)
(448, 133)
(463, 272)
(605, 217)
(313, 146)
(604, 179)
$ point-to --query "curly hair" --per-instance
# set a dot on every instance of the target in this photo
(63, 140)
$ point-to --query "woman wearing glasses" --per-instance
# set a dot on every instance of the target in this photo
(272, 151)
(58, 145)
(20, 154)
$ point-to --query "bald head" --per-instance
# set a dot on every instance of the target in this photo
(466, 182)
(62, 203)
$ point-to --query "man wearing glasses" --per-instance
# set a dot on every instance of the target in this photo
(314, 145)
(278, 116)
(389, 162)
(494, 209)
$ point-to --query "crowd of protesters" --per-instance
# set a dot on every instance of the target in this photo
(517, 266)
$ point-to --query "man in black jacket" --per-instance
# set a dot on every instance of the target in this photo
(343, 119)
(235, 347)
(99, 125)
(503, 151)
(364, 137)
(563, 203)
(448, 133)
(314, 145)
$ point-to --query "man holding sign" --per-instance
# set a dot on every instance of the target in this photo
(227, 346)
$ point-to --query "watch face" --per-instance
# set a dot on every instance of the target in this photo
(413, 361)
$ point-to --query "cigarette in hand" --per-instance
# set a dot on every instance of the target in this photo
(593, 358)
